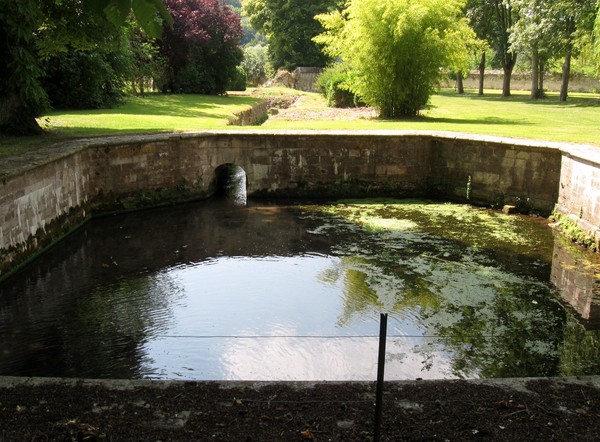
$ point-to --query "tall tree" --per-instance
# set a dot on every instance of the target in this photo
(396, 49)
(481, 18)
(22, 98)
(574, 19)
(534, 34)
(505, 16)
(596, 37)
(289, 26)
(202, 47)
(549, 29)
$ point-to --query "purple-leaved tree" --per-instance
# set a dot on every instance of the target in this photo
(202, 47)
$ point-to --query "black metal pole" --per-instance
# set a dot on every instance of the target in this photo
(380, 376)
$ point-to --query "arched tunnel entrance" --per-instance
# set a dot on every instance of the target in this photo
(231, 183)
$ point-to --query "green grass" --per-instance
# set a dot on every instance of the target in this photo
(577, 120)
(152, 113)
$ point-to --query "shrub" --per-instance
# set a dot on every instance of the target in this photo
(256, 63)
(397, 49)
(238, 82)
(85, 79)
(332, 83)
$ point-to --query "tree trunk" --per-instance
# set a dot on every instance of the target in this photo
(506, 80)
(541, 71)
(535, 74)
(481, 72)
(16, 117)
(566, 74)
(460, 88)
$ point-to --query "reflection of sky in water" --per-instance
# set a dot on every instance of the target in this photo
(282, 324)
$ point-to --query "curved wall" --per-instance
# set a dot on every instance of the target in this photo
(45, 194)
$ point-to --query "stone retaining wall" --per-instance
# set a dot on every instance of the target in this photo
(579, 191)
(44, 194)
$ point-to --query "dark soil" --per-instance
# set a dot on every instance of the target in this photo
(565, 410)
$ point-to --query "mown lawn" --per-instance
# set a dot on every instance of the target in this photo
(153, 113)
(577, 120)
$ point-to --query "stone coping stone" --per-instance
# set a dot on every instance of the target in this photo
(12, 166)
(130, 384)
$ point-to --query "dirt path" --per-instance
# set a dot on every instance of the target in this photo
(514, 410)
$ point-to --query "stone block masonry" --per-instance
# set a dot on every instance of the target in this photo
(44, 194)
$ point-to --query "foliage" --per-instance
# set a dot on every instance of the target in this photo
(596, 38)
(147, 63)
(236, 5)
(202, 47)
(396, 49)
(150, 14)
(549, 29)
(332, 83)
(251, 36)
(289, 27)
(23, 25)
(534, 34)
(85, 79)
(21, 95)
(256, 64)
(85, 58)
(238, 81)
(492, 20)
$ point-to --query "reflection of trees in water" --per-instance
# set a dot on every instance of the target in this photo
(85, 308)
(579, 350)
(481, 293)
(361, 277)
(516, 333)
(116, 320)
(494, 324)
(82, 332)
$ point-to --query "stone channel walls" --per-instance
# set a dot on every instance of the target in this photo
(45, 194)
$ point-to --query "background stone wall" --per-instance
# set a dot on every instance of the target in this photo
(493, 79)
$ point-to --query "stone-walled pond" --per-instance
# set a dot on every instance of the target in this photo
(294, 290)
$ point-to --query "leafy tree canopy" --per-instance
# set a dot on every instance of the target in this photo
(202, 46)
(548, 29)
(597, 37)
(150, 14)
(31, 30)
(289, 26)
(396, 49)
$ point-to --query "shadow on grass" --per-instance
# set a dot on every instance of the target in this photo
(195, 106)
(74, 132)
(486, 121)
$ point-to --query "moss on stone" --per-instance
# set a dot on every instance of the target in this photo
(571, 230)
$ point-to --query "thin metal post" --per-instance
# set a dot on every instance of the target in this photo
(380, 376)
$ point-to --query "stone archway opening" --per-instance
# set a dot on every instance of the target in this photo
(231, 183)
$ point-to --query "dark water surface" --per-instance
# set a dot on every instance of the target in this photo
(294, 292)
